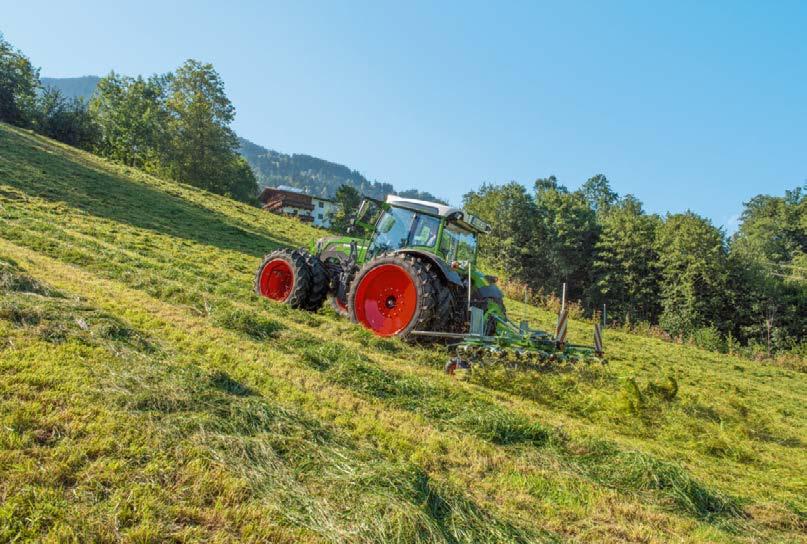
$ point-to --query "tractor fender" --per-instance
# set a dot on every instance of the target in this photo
(490, 291)
(445, 270)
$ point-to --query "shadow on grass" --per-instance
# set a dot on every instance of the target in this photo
(626, 471)
(276, 449)
(29, 167)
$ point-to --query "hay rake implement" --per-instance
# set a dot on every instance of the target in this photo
(517, 346)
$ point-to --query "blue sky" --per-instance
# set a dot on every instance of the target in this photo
(697, 105)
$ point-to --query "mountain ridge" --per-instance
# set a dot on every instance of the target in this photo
(314, 175)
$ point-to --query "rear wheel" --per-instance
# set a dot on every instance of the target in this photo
(284, 276)
(451, 311)
(393, 295)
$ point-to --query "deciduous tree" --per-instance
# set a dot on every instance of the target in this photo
(132, 118)
(19, 83)
(348, 200)
(694, 274)
(201, 143)
(626, 263)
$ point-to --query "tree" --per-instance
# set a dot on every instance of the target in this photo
(693, 266)
(68, 121)
(597, 191)
(132, 118)
(201, 142)
(348, 200)
(511, 212)
(566, 232)
(175, 125)
(243, 185)
(548, 184)
(19, 83)
(625, 268)
(768, 266)
(774, 228)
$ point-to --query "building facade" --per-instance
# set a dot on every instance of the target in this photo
(293, 202)
(324, 211)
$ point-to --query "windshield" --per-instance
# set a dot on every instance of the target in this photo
(392, 230)
(457, 244)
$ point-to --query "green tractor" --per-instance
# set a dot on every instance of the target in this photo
(413, 275)
(409, 273)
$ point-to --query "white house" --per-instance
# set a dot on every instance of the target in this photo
(293, 202)
(323, 212)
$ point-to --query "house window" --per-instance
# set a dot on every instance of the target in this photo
(321, 204)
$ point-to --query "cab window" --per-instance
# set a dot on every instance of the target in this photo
(425, 231)
(458, 244)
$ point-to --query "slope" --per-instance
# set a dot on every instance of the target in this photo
(147, 395)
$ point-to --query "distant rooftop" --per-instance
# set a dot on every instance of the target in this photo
(290, 189)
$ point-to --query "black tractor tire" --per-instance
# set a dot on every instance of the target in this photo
(294, 288)
(450, 312)
(423, 306)
(320, 282)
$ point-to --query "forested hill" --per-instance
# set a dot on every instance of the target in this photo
(73, 87)
(317, 176)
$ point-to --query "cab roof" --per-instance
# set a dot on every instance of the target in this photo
(463, 218)
(424, 206)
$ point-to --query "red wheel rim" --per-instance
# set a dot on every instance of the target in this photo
(386, 300)
(277, 278)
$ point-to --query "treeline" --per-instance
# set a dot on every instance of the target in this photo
(316, 176)
(678, 273)
(175, 125)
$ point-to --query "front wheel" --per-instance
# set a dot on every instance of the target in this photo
(393, 295)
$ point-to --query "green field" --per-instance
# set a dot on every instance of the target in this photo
(146, 395)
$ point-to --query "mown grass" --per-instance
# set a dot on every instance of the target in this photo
(152, 440)
(264, 423)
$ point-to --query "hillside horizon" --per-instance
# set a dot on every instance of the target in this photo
(148, 393)
(273, 168)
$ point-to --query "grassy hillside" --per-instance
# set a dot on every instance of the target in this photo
(147, 395)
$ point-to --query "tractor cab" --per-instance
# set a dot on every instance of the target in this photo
(443, 231)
